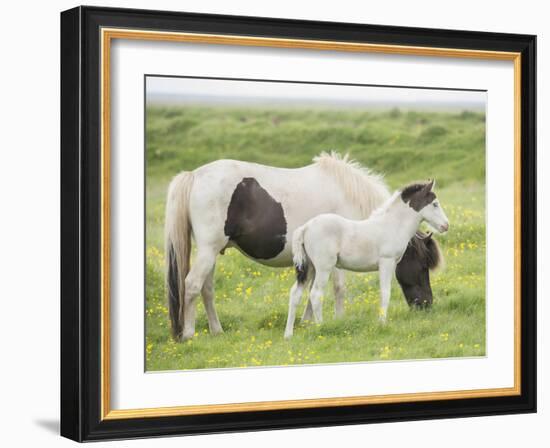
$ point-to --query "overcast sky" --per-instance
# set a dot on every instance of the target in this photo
(212, 92)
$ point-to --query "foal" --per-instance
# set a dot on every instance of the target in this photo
(377, 243)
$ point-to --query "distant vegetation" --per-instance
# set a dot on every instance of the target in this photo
(252, 300)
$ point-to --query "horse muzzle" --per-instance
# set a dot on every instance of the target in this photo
(422, 304)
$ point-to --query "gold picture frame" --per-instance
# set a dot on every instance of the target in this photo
(106, 33)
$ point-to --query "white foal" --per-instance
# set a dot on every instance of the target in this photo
(377, 243)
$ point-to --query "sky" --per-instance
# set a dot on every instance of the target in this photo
(174, 90)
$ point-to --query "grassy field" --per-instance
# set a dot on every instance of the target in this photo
(252, 300)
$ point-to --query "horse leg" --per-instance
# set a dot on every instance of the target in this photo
(321, 279)
(307, 316)
(386, 267)
(194, 282)
(338, 278)
(207, 293)
(295, 297)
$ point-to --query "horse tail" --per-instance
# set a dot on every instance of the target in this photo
(177, 233)
(299, 254)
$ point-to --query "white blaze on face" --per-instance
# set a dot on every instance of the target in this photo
(434, 215)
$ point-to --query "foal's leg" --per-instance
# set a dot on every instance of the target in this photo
(208, 300)
(321, 280)
(194, 282)
(295, 297)
(307, 316)
(386, 267)
(338, 278)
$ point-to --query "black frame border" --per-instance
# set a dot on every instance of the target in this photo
(81, 223)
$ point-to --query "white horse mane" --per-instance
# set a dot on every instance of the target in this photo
(361, 186)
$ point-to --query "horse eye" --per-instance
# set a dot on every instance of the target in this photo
(435, 204)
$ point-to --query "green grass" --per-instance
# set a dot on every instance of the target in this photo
(252, 299)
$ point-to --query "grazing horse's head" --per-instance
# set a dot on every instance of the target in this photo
(413, 271)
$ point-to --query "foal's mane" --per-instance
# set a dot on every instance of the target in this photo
(361, 186)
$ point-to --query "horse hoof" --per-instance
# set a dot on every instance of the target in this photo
(216, 331)
(288, 335)
(186, 336)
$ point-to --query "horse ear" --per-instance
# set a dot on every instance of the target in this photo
(429, 185)
(429, 236)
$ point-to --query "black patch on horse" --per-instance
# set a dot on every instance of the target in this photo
(255, 221)
(418, 195)
(413, 270)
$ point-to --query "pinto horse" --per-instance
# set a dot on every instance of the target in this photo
(256, 208)
(330, 241)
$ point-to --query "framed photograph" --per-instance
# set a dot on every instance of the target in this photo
(272, 223)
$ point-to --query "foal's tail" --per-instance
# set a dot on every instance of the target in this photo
(177, 233)
(299, 254)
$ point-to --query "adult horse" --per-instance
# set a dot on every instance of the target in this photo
(256, 208)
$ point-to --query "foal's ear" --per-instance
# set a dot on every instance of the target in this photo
(430, 185)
